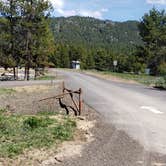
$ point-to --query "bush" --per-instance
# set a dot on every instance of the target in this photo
(161, 83)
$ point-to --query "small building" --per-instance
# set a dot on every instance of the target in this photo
(76, 65)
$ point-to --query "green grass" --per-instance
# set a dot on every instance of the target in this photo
(23, 132)
(46, 77)
(6, 91)
(141, 78)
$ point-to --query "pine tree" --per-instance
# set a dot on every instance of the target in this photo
(153, 33)
(35, 31)
(9, 21)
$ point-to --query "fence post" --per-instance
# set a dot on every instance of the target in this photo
(63, 87)
(80, 101)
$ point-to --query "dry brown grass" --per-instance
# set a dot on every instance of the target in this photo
(34, 88)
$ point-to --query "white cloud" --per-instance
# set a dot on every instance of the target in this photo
(85, 13)
(104, 10)
(66, 13)
(57, 4)
(96, 14)
(162, 2)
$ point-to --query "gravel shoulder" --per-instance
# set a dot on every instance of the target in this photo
(112, 147)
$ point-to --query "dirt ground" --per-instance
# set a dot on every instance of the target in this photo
(25, 99)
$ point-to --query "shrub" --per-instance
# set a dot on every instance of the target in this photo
(161, 83)
(34, 122)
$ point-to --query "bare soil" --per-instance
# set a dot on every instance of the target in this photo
(25, 99)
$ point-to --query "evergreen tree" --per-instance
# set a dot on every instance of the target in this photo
(34, 29)
(153, 33)
(9, 10)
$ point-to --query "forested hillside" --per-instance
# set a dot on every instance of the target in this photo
(44, 41)
(91, 32)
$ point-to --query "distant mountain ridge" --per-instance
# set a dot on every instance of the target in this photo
(91, 32)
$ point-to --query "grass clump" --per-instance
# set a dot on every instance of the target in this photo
(22, 132)
(6, 91)
(64, 132)
(35, 122)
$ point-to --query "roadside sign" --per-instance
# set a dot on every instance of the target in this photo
(115, 62)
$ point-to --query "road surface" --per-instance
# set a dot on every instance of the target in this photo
(138, 110)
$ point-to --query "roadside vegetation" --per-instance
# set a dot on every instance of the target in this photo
(26, 132)
(141, 78)
(161, 83)
(155, 81)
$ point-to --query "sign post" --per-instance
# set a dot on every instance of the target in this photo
(115, 63)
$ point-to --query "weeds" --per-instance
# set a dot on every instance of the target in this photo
(141, 78)
(64, 132)
(21, 132)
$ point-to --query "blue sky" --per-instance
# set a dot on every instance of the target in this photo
(116, 10)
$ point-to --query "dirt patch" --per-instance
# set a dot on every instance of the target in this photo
(34, 88)
(26, 99)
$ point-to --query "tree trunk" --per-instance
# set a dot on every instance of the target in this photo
(17, 73)
(35, 73)
(14, 73)
(28, 73)
(15, 69)
(25, 73)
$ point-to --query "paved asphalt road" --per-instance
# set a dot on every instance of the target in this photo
(138, 110)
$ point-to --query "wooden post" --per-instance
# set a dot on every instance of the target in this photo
(63, 87)
(80, 101)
